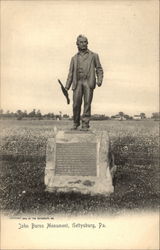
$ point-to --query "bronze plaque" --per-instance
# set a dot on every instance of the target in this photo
(76, 159)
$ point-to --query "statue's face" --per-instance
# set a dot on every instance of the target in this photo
(82, 43)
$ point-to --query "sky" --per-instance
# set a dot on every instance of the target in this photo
(38, 39)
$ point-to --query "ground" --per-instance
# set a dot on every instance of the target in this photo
(22, 152)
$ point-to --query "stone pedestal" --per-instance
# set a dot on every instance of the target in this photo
(78, 161)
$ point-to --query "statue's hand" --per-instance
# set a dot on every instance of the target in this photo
(99, 84)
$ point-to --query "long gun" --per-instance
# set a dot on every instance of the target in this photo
(65, 92)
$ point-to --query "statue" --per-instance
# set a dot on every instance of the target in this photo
(85, 73)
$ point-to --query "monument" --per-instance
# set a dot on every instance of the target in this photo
(80, 159)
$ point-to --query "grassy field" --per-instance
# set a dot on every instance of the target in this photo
(22, 152)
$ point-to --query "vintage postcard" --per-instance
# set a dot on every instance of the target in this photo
(79, 141)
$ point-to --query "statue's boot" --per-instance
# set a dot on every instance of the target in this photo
(85, 126)
(75, 126)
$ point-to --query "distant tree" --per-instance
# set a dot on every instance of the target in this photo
(1, 113)
(99, 117)
(7, 114)
(60, 115)
(142, 115)
(49, 116)
(156, 116)
(12, 115)
(19, 114)
(39, 115)
(32, 113)
(25, 113)
(57, 117)
(52, 115)
(121, 114)
(126, 117)
(107, 117)
(65, 116)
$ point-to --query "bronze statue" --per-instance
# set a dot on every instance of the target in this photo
(84, 73)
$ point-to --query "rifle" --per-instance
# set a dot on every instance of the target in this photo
(65, 92)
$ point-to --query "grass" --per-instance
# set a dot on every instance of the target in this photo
(22, 150)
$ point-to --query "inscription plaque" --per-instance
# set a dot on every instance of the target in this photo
(76, 159)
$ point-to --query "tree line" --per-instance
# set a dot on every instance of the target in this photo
(36, 114)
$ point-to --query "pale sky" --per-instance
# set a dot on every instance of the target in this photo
(38, 39)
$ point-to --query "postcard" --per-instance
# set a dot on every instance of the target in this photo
(79, 124)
